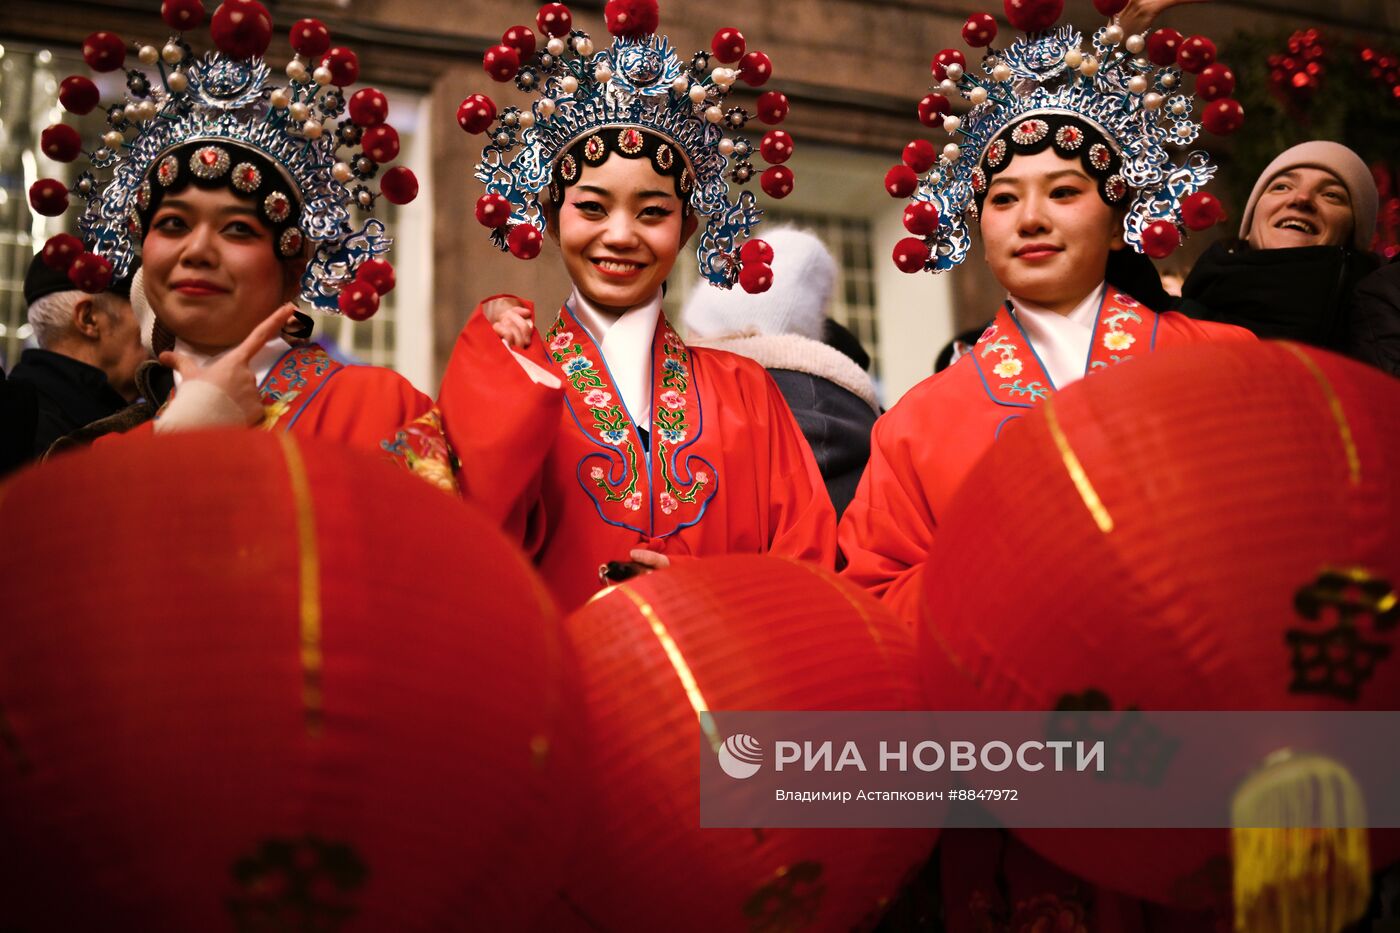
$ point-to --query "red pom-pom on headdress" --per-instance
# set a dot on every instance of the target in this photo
(631, 18)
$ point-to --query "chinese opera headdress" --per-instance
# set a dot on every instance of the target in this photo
(303, 150)
(1119, 106)
(641, 100)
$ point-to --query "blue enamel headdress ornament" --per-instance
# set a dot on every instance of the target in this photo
(220, 119)
(603, 99)
(1118, 106)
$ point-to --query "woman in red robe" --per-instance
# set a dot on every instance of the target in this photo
(609, 441)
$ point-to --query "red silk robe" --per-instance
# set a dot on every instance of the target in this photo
(566, 473)
(922, 448)
(370, 408)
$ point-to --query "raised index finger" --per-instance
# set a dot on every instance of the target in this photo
(265, 331)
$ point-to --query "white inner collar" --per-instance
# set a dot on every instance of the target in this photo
(625, 340)
(261, 363)
(1061, 340)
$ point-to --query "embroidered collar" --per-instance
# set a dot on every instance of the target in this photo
(654, 492)
(261, 363)
(1013, 374)
(1061, 341)
(625, 342)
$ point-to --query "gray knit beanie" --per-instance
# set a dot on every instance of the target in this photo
(1340, 161)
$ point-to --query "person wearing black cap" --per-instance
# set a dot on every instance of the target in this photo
(89, 349)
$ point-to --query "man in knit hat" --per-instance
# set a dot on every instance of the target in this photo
(783, 329)
(1305, 238)
(89, 348)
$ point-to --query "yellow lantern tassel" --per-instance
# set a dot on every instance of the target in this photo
(1299, 843)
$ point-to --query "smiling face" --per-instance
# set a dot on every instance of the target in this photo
(619, 229)
(1046, 232)
(212, 273)
(1302, 207)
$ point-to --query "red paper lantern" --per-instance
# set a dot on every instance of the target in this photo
(1179, 588)
(298, 718)
(749, 633)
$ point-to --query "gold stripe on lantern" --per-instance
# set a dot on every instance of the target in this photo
(1076, 471)
(1334, 405)
(309, 578)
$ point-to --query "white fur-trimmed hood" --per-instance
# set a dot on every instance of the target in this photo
(800, 354)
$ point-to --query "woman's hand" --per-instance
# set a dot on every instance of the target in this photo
(230, 374)
(652, 560)
(512, 321)
(1139, 15)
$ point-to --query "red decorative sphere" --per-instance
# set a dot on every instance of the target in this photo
(1215, 81)
(1223, 117)
(1160, 239)
(1033, 15)
(60, 251)
(772, 107)
(920, 155)
(728, 626)
(777, 181)
(61, 143)
(369, 107)
(104, 51)
(776, 147)
(241, 28)
(933, 108)
(901, 181)
(755, 68)
(90, 272)
(728, 45)
(1195, 53)
(358, 301)
(492, 210)
(921, 218)
(181, 15)
(1110, 7)
(310, 38)
(757, 252)
(1202, 210)
(344, 66)
(284, 757)
(756, 278)
(501, 62)
(520, 38)
(1162, 46)
(631, 18)
(1079, 617)
(49, 197)
(399, 185)
(476, 113)
(78, 94)
(910, 254)
(554, 19)
(381, 143)
(379, 274)
(941, 61)
(979, 30)
(524, 241)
